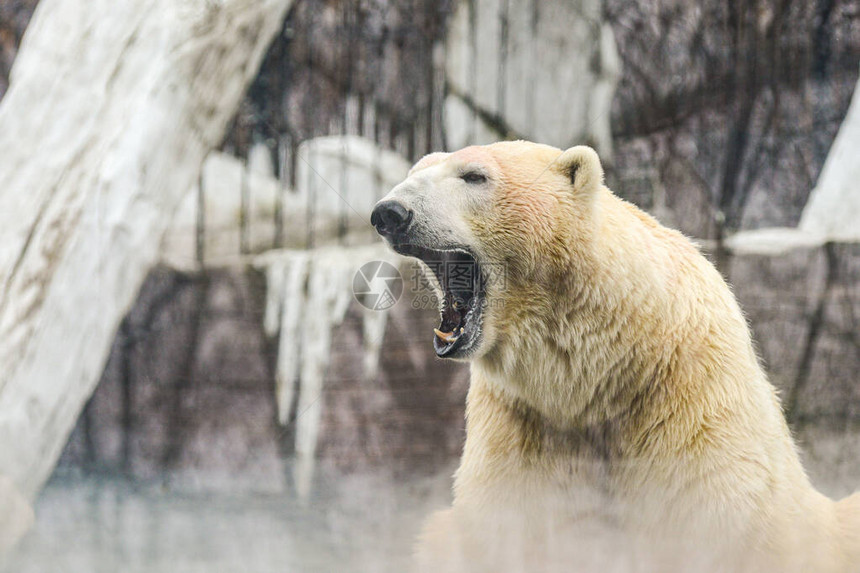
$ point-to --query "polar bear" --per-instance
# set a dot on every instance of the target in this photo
(617, 416)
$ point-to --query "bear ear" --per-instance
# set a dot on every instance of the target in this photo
(582, 167)
(427, 161)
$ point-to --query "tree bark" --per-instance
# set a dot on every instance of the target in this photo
(111, 110)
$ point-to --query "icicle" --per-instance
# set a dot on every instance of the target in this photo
(260, 160)
(294, 274)
(329, 294)
(373, 331)
(374, 322)
(309, 293)
(274, 298)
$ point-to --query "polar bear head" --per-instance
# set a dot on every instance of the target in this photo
(497, 226)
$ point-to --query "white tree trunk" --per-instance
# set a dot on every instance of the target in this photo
(111, 110)
(832, 212)
(16, 515)
(833, 209)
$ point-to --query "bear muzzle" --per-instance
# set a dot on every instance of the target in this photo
(391, 219)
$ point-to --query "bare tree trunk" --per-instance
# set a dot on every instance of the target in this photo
(111, 110)
(833, 209)
(16, 516)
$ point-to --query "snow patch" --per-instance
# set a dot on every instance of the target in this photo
(772, 241)
(339, 179)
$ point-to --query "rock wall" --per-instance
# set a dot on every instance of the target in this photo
(188, 396)
(675, 120)
(499, 51)
(725, 113)
(804, 309)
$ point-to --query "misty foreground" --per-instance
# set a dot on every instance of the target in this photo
(363, 521)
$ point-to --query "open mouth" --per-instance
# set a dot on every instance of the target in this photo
(462, 285)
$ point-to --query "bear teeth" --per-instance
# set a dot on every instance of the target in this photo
(448, 337)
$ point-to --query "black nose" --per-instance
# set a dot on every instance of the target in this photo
(390, 218)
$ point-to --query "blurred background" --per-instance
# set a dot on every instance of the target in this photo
(191, 382)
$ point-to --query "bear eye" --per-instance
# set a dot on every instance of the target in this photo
(473, 177)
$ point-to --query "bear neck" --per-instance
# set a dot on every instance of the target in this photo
(642, 330)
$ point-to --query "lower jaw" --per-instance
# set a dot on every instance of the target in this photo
(463, 347)
(452, 350)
